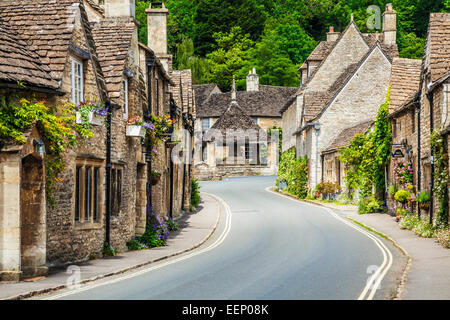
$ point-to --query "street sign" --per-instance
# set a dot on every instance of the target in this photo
(398, 153)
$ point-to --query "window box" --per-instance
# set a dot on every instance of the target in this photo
(94, 118)
(135, 131)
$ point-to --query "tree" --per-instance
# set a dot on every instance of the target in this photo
(212, 16)
(185, 59)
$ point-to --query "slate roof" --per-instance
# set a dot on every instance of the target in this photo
(46, 26)
(266, 102)
(17, 63)
(233, 118)
(439, 35)
(113, 40)
(343, 139)
(202, 92)
(405, 80)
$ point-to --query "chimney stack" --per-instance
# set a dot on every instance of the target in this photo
(120, 8)
(390, 25)
(331, 35)
(157, 33)
(252, 81)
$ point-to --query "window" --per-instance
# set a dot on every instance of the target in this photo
(247, 151)
(413, 121)
(87, 192)
(125, 98)
(205, 125)
(116, 190)
(255, 119)
(77, 82)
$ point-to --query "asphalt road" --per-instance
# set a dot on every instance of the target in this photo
(270, 247)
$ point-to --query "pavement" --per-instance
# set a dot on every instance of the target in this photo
(195, 229)
(427, 275)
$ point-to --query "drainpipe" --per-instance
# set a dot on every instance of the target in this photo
(419, 172)
(150, 64)
(317, 128)
(430, 99)
(110, 107)
(322, 160)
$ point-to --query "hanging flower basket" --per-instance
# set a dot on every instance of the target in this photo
(424, 205)
(135, 131)
(155, 180)
(155, 177)
(94, 119)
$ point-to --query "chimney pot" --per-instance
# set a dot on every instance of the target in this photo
(331, 29)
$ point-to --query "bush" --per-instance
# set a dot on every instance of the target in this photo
(172, 225)
(294, 171)
(327, 188)
(443, 236)
(108, 250)
(370, 205)
(402, 196)
(344, 199)
(393, 189)
(195, 194)
(156, 232)
(423, 196)
(424, 229)
(409, 222)
(402, 212)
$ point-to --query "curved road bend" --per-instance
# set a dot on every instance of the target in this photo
(273, 248)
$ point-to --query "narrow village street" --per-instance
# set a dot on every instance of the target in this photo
(274, 248)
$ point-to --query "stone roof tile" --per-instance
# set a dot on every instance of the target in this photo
(439, 36)
(405, 79)
(343, 139)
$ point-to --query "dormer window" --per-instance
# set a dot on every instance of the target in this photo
(125, 98)
(77, 81)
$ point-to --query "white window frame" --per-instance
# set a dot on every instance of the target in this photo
(77, 81)
(125, 98)
(203, 126)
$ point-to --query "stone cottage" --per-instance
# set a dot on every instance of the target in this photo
(261, 103)
(344, 81)
(434, 97)
(403, 114)
(71, 51)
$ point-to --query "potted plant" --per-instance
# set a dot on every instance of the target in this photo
(392, 190)
(90, 113)
(155, 177)
(423, 199)
(136, 127)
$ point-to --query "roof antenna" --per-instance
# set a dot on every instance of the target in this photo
(233, 90)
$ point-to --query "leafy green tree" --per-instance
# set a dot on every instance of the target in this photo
(185, 59)
(212, 16)
(229, 57)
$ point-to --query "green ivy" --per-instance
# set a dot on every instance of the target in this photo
(294, 171)
(440, 154)
(59, 131)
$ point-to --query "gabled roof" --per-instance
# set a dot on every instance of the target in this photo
(19, 64)
(46, 26)
(233, 118)
(203, 91)
(263, 103)
(439, 38)
(315, 103)
(319, 52)
(343, 139)
(405, 80)
(113, 40)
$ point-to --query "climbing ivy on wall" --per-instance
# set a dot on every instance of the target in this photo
(294, 171)
(440, 153)
(59, 131)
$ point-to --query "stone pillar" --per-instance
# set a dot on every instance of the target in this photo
(157, 33)
(390, 25)
(252, 81)
(10, 217)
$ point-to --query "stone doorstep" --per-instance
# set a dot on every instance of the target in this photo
(53, 288)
